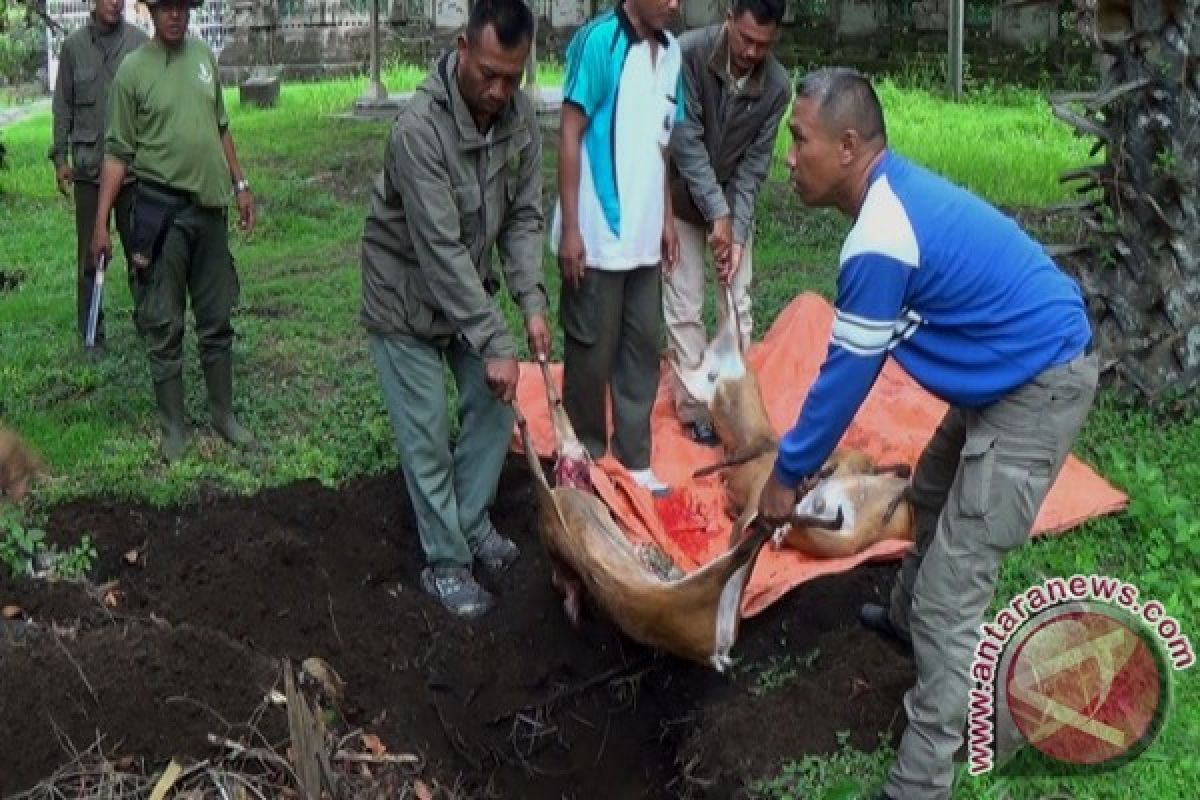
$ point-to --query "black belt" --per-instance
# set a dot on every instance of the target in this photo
(166, 191)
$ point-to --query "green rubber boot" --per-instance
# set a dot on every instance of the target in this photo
(172, 418)
(218, 376)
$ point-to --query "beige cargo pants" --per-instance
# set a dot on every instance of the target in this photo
(977, 489)
(683, 309)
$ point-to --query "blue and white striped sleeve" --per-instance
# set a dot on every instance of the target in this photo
(871, 289)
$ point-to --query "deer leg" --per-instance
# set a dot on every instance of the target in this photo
(903, 496)
(899, 470)
(821, 523)
(572, 591)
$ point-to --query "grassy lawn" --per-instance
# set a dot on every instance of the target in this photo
(305, 384)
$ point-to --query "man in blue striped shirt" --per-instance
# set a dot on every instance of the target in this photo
(979, 315)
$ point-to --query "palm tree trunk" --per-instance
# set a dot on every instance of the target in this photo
(1142, 282)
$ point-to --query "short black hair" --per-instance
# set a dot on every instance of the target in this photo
(765, 12)
(511, 19)
(845, 99)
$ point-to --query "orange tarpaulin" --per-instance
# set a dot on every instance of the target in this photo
(892, 426)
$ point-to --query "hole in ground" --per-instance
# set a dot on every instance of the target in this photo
(517, 704)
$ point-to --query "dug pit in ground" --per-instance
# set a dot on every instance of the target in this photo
(519, 701)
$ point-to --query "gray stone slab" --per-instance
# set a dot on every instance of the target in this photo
(383, 109)
(260, 90)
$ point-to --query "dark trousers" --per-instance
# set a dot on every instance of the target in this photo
(195, 261)
(611, 325)
(86, 197)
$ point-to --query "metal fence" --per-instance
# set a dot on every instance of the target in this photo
(208, 22)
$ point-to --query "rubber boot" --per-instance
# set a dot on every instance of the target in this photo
(218, 376)
(172, 418)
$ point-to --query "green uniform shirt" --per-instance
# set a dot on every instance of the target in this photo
(88, 61)
(165, 120)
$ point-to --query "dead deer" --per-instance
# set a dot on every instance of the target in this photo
(872, 500)
(695, 617)
(19, 465)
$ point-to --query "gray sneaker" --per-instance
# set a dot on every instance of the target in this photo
(496, 552)
(456, 588)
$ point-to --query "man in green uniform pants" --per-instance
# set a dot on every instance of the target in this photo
(89, 60)
(167, 124)
(462, 175)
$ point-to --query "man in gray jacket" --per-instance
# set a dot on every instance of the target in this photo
(736, 94)
(462, 175)
(89, 60)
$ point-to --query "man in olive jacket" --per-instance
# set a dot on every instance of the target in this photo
(462, 174)
(735, 96)
(88, 61)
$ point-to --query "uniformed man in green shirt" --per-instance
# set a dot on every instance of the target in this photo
(167, 124)
(88, 61)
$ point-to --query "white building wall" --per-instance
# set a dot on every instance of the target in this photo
(207, 22)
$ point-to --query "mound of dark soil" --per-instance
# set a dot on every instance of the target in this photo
(516, 705)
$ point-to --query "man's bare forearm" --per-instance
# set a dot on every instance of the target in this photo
(112, 177)
(570, 141)
(235, 169)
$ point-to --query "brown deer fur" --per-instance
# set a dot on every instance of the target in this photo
(874, 505)
(19, 465)
(694, 617)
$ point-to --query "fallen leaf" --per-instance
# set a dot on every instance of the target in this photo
(421, 790)
(123, 764)
(12, 612)
(373, 744)
(276, 698)
(132, 557)
(113, 598)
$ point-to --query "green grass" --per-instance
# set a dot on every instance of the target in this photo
(305, 385)
(844, 775)
(1004, 144)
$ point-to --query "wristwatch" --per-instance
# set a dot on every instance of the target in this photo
(241, 186)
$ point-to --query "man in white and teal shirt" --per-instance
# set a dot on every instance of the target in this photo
(613, 229)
